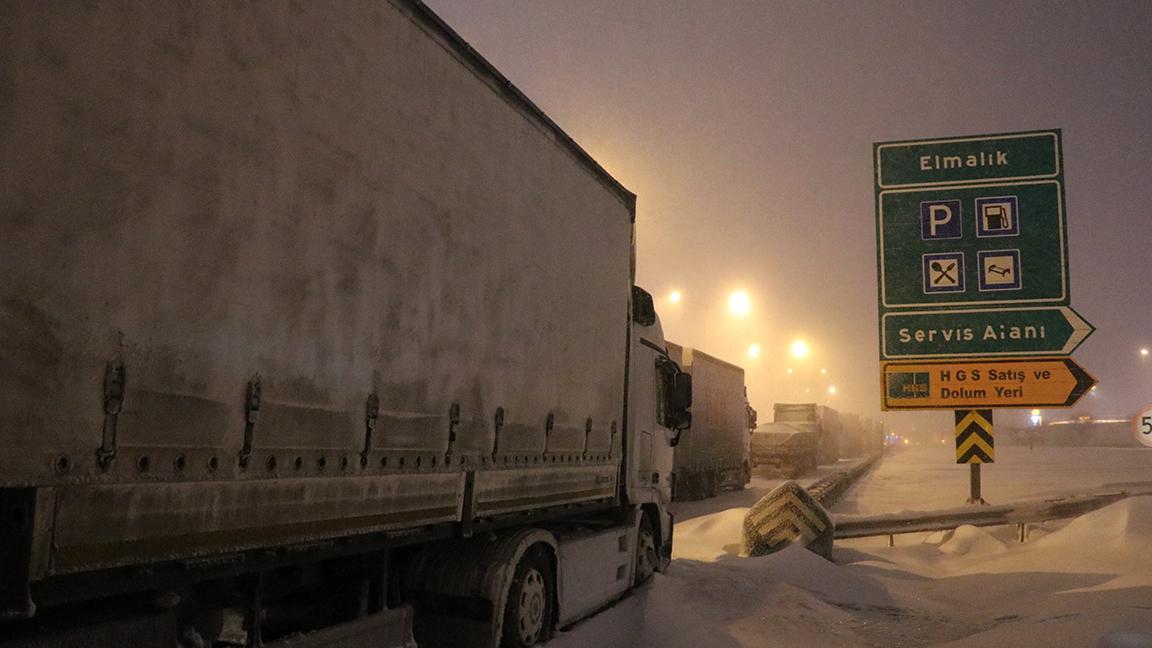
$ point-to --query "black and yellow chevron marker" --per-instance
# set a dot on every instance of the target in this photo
(785, 516)
(974, 441)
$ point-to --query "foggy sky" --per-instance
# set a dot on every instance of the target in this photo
(746, 130)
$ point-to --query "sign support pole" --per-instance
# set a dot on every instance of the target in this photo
(974, 481)
(975, 445)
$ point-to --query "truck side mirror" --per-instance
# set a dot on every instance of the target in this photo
(679, 403)
(643, 312)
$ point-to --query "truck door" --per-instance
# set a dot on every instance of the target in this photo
(650, 466)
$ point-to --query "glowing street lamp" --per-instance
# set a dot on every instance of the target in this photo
(823, 372)
(754, 351)
(739, 303)
(675, 297)
(831, 390)
(1144, 352)
(800, 349)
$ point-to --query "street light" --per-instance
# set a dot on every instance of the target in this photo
(832, 390)
(1144, 352)
(675, 297)
(800, 349)
(739, 303)
(754, 351)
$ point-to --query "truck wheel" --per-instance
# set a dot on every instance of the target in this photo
(646, 555)
(528, 612)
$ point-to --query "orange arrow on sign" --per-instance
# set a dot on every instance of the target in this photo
(1009, 382)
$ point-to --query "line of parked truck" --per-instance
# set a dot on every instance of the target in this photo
(310, 341)
(725, 445)
(804, 435)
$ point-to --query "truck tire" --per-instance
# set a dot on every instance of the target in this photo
(647, 555)
(528, 611)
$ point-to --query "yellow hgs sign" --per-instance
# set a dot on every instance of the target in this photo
(983, 384)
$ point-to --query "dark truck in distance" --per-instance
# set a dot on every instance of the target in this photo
(805, 435)
(785, 450)
(713, 454)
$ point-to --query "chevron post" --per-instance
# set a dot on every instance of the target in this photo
(787, 515)
(974, 440)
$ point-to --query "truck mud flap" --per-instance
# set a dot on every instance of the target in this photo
(17, 513)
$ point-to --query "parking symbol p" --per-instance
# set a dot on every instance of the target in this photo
(940, 219)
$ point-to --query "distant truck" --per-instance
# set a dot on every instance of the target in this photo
(713, 455)
(315, 331)
(825, 421)
(785, 450)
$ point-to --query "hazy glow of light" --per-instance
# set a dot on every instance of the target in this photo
(800, 349)
(1035, 412)
(832, 389)
(823, 372)
(1144, 352)
(739, 303)
(905, 441)
(754, 351)
(675, 297)
(943, 441)
(789, 371)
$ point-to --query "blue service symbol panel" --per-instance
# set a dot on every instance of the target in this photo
(943, 272)
(997, 216)
(998, 270)
(941, 219)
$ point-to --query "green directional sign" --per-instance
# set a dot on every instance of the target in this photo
(938, 252)
(972, 254)
(985, 332)
(971, 221)
(1010, 157)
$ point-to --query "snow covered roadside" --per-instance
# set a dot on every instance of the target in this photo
(1086, 584)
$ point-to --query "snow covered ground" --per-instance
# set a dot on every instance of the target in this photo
(1083, 583)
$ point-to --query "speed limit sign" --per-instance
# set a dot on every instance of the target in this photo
(1144, 426)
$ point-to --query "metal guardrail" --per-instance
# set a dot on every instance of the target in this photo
(1019, 513)
(828, 490)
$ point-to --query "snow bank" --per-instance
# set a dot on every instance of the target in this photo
(710, 537)
(787, 599)
(969, 540)
(1086, 583)
(1124, 523)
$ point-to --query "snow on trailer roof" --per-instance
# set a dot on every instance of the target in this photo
(436, 26)
(784, 428)
(684, 355)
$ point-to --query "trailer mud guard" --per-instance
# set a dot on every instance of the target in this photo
(17, 517)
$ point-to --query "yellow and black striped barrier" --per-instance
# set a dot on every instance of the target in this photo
(974, 440)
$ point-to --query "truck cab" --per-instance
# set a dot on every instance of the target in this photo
(659, 402)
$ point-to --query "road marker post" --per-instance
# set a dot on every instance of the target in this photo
(975, 445)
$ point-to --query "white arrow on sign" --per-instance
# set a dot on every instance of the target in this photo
(1080, 329)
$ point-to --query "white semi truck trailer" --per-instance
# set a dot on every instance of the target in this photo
(714, 454)
(314, 331)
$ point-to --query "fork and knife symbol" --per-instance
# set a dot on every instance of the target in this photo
(943, 272)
